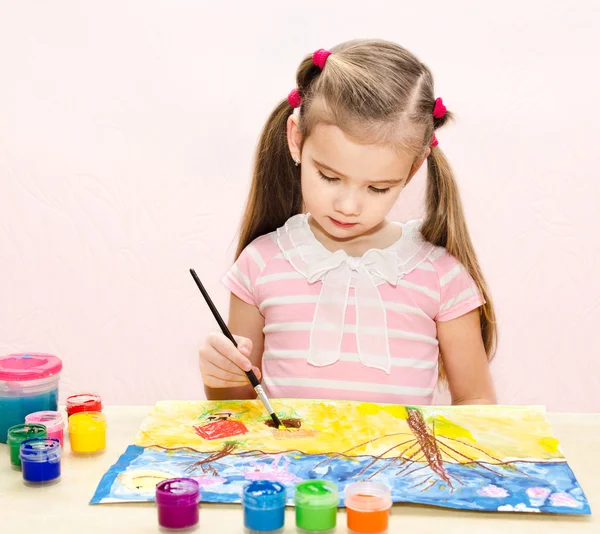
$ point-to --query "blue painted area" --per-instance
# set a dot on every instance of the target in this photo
(128, 458)
(484, 487)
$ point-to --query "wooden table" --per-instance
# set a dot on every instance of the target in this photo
(64, 507)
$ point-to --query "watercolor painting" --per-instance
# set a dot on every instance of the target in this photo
(487, 458)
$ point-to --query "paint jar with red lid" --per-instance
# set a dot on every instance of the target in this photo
(177, 501)
(83, 402)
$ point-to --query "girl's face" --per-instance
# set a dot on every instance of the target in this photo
(349, 187)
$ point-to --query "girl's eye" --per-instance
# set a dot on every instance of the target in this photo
(327, 178)
(375, 190)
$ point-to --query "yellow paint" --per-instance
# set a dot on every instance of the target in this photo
(464, 433)
(549, 444)
(143, 480)
(445, 427)
(87, 432)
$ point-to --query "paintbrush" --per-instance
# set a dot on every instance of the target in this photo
(250, 374)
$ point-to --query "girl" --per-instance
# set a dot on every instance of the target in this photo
(330, 299)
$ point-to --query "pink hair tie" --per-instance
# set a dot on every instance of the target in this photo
(439, 110)
(294, 98)
(434, 141)
(320, 57)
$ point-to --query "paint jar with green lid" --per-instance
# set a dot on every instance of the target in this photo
(19, 433)
(316, 504)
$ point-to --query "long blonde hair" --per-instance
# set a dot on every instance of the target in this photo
(375, 91)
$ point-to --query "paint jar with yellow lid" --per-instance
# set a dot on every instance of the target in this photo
(87, 432)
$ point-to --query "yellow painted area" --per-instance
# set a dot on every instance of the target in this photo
(463, 433)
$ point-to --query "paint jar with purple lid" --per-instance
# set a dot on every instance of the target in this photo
(177, 501)
(40, 461)
(264, 507)
(28, 383)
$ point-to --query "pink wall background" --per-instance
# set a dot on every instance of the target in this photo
(127, 132)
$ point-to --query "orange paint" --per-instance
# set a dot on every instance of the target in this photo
(368, 521)
(368, 506)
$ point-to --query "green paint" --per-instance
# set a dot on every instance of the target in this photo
(19, 433)
(316, 505)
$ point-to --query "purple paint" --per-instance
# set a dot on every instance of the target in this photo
(177, 501)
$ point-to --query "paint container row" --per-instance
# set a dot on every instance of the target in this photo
(36, 446)
(316, 503)
(87, 432)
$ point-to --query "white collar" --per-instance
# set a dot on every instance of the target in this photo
(337, 272)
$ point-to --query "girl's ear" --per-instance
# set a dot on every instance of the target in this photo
(294, 137)
(417, 165)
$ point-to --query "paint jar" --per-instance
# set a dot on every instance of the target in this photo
(264, 507)
(28, 383)
(316, 506)
(53, 421)
(368, 507)
(18, 434)
(40, 458)
(87, 432)
(83, 402)
(177, 501)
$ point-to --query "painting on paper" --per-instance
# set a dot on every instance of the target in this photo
(489, 458)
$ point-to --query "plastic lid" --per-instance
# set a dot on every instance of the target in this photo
(53, 421)
(316, 493)
(87, 422)
(19, 433)
(40, 450)
(178, 492)
(368, 496)
(31, 366)
(264, 495)
(85, 400)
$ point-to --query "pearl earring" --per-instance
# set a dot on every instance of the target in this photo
(297, 160)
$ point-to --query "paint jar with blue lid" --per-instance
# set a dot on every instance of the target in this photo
(40, 461)
(264, 507)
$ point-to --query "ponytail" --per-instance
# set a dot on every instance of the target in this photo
(445, 226)
(275, 193)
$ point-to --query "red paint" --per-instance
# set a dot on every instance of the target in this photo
(83, 402)
(221, 429)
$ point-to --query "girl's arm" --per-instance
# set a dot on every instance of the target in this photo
(246, 321)
(465, 360)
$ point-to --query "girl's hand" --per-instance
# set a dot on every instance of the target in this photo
(222, 365)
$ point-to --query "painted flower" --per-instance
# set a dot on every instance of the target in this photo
(537, 496)
(493, 491)
(564, 499)
(538, 493)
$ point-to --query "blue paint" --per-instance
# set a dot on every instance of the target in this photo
(264, 506)
(14, 409)
(40, 460)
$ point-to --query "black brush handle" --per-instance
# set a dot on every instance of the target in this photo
(250, 374)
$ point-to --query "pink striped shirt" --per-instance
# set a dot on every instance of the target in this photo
(435, 288)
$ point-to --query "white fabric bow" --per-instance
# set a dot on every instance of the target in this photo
(338, 272)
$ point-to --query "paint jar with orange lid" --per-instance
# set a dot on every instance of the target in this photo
(368, 507)
(87, 432)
